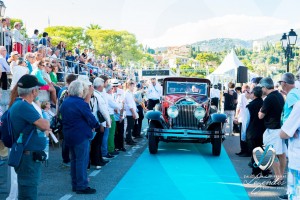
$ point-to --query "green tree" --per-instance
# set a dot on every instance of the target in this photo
(208, 59)
(122, 43)
(69, 34)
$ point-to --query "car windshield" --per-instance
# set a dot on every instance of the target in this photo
(186, 87)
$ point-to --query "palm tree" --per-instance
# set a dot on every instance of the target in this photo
(94, 27)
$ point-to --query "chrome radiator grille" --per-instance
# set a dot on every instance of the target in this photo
(185, 118)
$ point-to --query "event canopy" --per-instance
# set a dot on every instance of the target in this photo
(227, 71)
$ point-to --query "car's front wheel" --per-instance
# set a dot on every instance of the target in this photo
(217, 141)
(152, 140)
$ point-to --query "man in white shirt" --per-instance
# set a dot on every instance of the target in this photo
(154, 93)
(35, 38)
(5, 68)
(290, 130)
(215, 94)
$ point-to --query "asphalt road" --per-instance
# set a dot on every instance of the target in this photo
(55, 183)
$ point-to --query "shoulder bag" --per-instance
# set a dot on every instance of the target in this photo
(99, 114)
(16, 152)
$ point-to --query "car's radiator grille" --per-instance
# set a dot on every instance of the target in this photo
(186, 118)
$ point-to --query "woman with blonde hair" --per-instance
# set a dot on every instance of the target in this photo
(12, 60)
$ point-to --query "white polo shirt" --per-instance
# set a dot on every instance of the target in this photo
(129, 103)
(292, 126)
(154, 92)
(215, 93)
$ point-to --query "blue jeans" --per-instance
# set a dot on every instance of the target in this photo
(79, 164)
(29, 174)
(104, 149)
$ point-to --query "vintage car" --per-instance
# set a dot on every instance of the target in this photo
(185, 115)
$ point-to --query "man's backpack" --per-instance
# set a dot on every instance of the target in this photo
(7, 135)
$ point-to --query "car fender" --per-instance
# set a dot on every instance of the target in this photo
(215, 119)
(154, 115)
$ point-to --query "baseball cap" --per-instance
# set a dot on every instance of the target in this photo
(28, 81)
(84, 79)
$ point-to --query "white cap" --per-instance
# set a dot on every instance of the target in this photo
(84, 79)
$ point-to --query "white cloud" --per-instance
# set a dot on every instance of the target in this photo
(228, 26)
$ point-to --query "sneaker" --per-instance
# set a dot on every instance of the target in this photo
(66, 164)
(104, 161)
(285, 196)
(87, 190)
(109, 156)
(98, 167)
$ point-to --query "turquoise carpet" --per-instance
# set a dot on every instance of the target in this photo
(180, 171)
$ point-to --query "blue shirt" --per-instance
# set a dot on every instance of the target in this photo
(5, 66)
(29, 66)
(23, 115)
(292, 97)
(70, 60)
(77, 120)
(43, 41)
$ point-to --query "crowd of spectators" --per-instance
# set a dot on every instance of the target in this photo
(265, 113)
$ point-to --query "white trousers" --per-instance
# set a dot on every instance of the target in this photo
(230, 117)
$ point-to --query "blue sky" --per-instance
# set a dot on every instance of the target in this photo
(164, 22)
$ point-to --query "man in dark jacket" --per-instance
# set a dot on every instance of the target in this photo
(256, 127)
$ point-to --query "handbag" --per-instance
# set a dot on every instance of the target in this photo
(16, 152)
(99, 114)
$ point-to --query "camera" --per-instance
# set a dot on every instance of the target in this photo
(39, 156)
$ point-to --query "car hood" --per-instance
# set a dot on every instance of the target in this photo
(173, 98)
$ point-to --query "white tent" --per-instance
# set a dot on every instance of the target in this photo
(227, 71)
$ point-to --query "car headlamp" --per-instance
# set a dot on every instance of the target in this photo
(199, 113)
(173, 111)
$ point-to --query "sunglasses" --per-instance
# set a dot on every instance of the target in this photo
(281, 82)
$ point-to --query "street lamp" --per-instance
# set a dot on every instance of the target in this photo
(2, 9)
(287, 43)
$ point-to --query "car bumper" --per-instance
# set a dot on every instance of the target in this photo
(185, 133)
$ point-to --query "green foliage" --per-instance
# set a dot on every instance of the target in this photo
(208, 58)
(94, 27)
(122, 43)
(69, 34)
(13, 21)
